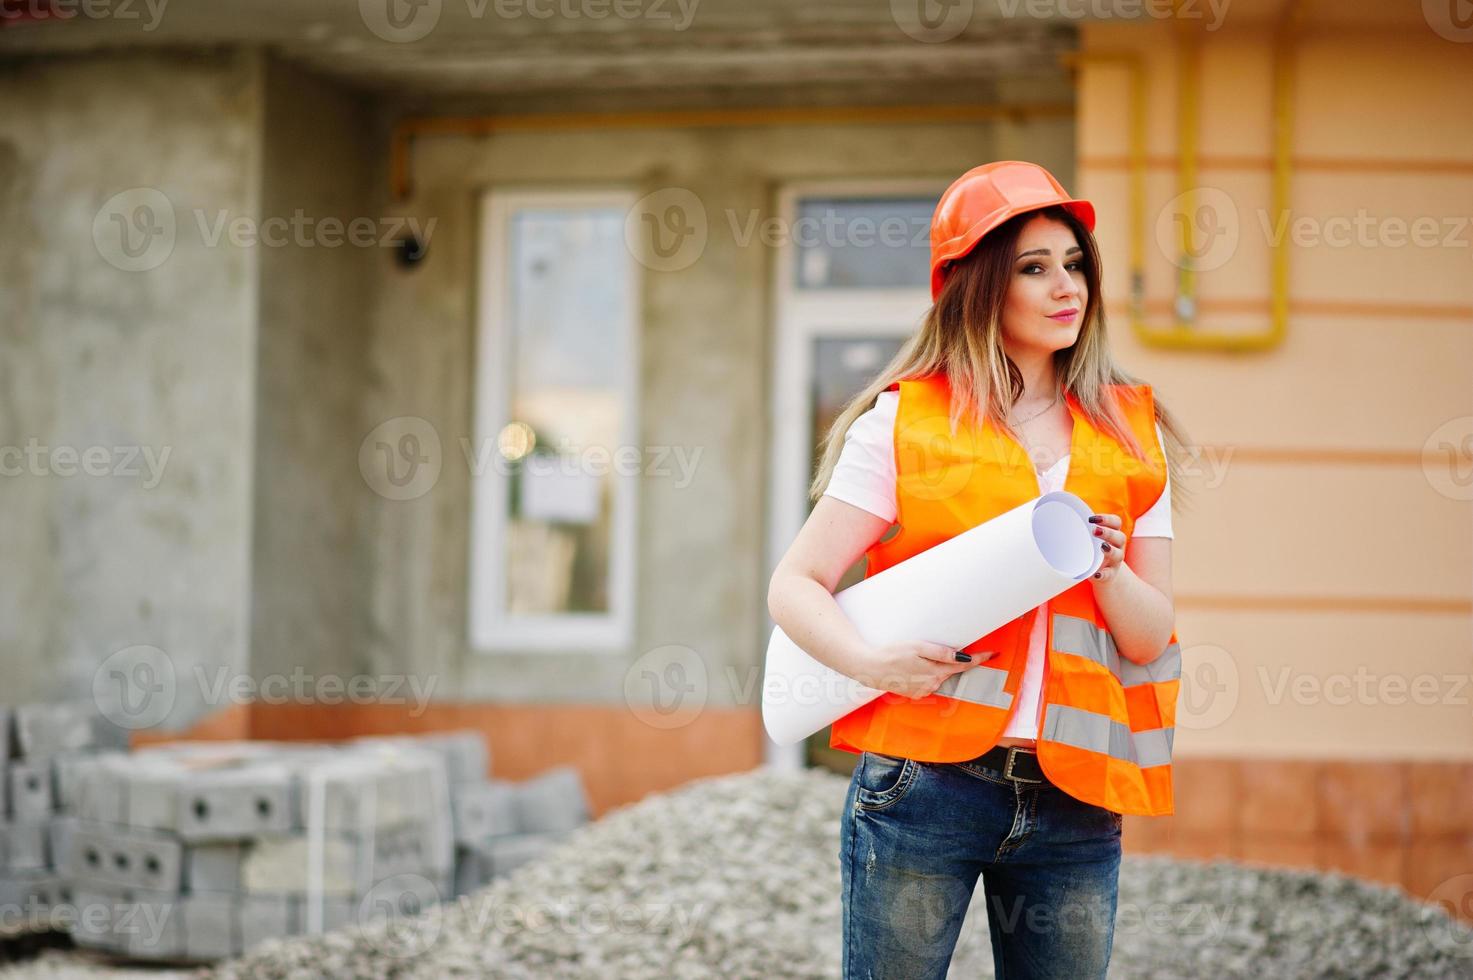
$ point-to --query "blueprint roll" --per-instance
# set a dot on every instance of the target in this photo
(953, 594)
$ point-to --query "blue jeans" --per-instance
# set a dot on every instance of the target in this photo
(916, 835)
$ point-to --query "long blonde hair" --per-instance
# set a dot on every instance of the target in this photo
(961, 338)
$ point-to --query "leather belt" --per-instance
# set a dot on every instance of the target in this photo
(1014, 762)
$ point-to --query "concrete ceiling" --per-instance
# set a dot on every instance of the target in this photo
(600, 48)
(508, 47)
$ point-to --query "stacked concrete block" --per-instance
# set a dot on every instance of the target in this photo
(41, 746)
(501, 825)
(198, 851)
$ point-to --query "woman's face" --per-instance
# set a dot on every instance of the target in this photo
(1047, 279)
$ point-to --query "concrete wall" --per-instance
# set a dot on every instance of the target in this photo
(1335, 544)
(701, 580)
(143, 350)
(307, 584)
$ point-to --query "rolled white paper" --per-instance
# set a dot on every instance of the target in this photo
(954, 594)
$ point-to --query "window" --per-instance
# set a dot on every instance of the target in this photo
(553, 488)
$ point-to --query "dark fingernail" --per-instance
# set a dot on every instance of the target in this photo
(1099, 532)
(964, 657)
(1095, 520)
(1097, 574)
(1106, 547)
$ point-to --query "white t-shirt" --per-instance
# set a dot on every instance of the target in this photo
(865, 477)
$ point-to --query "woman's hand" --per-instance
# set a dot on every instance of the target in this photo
(1107, 526)
(915, 669)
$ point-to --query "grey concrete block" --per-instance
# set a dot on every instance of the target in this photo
(417, 848)
(60, 832)
(333, 912)
(342, 796)
(465, 754)
(45, 730)
(25, 847)
(153, 929)
(286, 864)
(265, 917)
(97, 909)
(211, 926)
(151, 797)
(30, 791)
(230, 804)
(124, 857)
(484, 810)
(213, 867)
(506, 854)
(26, 897)
(552, 802)
(100, 789)
(67, 770)
(472, 870)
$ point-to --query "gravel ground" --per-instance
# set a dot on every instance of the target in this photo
(738, 876)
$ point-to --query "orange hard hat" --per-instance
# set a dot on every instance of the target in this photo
(986, 196)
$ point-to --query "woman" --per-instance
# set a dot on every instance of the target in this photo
(1014, 759)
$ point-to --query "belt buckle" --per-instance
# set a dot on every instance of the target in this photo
(1007, 769)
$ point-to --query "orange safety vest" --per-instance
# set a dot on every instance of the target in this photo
(1107, 726)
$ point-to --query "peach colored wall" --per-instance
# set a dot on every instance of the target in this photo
(1323, 575)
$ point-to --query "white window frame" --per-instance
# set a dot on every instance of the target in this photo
(802, 316)
(489, 628)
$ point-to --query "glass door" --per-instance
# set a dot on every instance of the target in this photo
(852, 287)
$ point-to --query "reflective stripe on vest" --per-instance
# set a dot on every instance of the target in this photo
(979, 685)
(1084, 639)
(1103, 734)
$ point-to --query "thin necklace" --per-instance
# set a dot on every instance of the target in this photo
(1045, 408)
